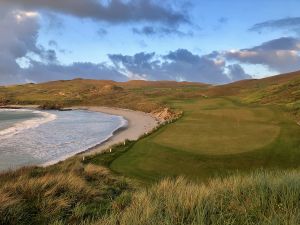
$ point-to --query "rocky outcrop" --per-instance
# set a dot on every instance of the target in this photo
(165, 114)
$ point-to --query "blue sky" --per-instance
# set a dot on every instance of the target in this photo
(212, 41)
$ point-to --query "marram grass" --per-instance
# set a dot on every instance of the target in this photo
(76, 193)
(260, 198)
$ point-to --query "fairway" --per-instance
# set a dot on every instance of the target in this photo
(214, 137)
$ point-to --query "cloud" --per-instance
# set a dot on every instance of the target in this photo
(114, 11)
(140, 66)
(181, 65)
(18, 42)
(236, 72)
(283, 43)
(281, 54)
(290, 23)
(22, 59)
(160, 31)
(19, 32)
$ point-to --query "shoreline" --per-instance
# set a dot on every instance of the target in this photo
(138, 124)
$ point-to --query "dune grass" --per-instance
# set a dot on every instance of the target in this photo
(68, 193)
(258, 199)
(215, 137)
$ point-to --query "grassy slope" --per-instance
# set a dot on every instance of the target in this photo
(280, 90)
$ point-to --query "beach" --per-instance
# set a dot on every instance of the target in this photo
(139, 123)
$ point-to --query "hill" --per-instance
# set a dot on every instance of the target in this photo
(282, 89)
(139, 95)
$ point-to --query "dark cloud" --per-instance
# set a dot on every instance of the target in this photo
(140, 66)
(182, 55)
(284, 43)
(114, 11)
(47, 55)
(281, 54)
(160, 31)
(176, 65)
(236, 72)
(290, 23)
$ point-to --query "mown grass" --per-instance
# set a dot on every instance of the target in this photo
(257, 199)
(215, 137)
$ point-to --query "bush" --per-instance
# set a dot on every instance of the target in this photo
(51, 106)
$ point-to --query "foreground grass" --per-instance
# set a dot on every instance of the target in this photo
(82, 193)
(68, 193)
(260, 198)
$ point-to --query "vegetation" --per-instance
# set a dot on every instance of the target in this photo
(257, 199)
(68, 193)
(51, 106)
(137, 95)
(225, 133)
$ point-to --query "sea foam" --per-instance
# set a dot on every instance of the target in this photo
(27, 124)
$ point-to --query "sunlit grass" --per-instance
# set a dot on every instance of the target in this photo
(256, 199)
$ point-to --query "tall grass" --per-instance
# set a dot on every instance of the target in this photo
(67, 193)
(260, 198)
(84, 193)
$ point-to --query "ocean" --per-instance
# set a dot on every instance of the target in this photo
(31, 137)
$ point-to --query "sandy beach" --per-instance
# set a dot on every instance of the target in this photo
(139, 123)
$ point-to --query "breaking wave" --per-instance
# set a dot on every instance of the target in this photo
(27, 124)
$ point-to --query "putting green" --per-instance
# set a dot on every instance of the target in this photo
(214, 137)
(211, 128)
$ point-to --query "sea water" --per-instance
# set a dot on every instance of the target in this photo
(31, 137)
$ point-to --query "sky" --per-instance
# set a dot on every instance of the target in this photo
(211, 41)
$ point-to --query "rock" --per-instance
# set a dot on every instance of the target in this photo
(165, 114)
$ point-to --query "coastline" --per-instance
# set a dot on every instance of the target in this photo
(138, 124)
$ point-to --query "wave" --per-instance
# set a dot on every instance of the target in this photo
(123, 125)
(27, 124)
